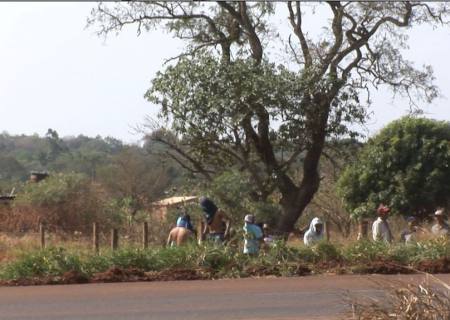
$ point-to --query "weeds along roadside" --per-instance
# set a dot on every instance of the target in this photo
(429, 300)
(229, 262)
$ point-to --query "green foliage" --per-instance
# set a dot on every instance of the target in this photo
(10, 168)
(209, 102)
(80, 154)
(222, 261)
(49, 262)
(54, 190)
(232, 103)
(405, 166)
(66, 202)
(237, 196)
(366, 251)
(327, 251)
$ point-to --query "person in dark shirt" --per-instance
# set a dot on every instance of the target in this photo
(217, 226)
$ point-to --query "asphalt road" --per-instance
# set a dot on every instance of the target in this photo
(314, 297)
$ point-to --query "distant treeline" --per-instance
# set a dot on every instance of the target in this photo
(105, 160)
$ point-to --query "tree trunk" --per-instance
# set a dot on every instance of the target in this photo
(295, 200)
(294, 204)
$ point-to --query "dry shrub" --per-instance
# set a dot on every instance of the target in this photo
(406, 302)
(64, 202)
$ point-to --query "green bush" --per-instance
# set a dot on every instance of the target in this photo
(327, 251)
(405, 166)
(67, 202)
(48, 262)
(365, 251)
(222, 261)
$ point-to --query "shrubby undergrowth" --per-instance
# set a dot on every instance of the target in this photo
(223, 261)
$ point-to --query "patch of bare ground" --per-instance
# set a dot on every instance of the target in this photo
(381, 267)
(441, 265)
(131, 275)
(330, 267)
(261, 271)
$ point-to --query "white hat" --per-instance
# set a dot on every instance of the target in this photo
(249, 218)
(439, 212)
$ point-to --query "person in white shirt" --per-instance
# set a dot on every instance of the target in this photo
(314, 233)
(380, 227)
(441, 228)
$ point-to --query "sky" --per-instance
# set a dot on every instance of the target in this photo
(55, 73)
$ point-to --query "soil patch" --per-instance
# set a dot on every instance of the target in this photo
(434, 266)
(178, 274)
(261, 271)
(116, 274)
(73, 277)
(381, 267)
(132, 275)
(330, 267)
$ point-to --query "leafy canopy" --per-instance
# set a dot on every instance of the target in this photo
(407, 166)
(214, 107)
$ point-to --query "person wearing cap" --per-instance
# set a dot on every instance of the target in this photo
(217, 223)
(253, 235)
(441, 228)
(409, 235)
(315, 232)
(380, 227)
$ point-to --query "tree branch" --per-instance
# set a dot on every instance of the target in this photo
(296, 22)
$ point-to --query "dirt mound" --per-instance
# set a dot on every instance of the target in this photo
(381, 267)
(178, 274)
(441, 265)
(73, 277)
(261, 271)
(31, 281)
(130, 275)
(116, 274)
(330, 267)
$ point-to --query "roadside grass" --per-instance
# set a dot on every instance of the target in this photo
(280, 259)
(429, 300)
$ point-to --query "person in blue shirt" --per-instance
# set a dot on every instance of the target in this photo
(184, 221)
(182, 232)
(253, 235)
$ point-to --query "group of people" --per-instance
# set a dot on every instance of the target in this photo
(217, 228)
(381, 230)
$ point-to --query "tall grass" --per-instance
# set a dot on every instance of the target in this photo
(220, 261)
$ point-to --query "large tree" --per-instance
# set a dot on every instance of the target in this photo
(231, 104)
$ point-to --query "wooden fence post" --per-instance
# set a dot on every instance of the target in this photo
(145, 235)
(200, 235)
(114, 239)
(95, 241)
(42, 234)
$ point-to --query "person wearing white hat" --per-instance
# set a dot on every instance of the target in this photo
(441, 228)
(252, 235)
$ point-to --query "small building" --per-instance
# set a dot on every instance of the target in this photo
(160, 208)
(36, 176)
